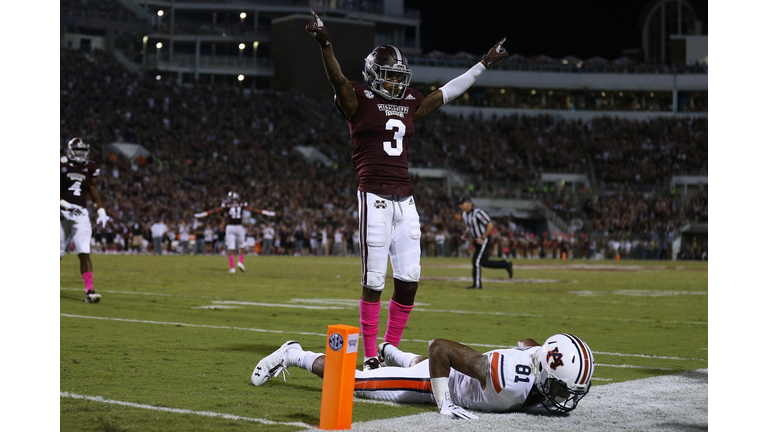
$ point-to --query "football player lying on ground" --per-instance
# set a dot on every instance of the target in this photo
(556, 375)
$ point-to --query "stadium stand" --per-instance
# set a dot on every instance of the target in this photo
(211, 134)
(205, 140)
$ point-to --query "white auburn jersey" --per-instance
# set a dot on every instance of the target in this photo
(511, 376)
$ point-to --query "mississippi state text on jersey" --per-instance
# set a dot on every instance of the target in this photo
(76, 181)
(380, 130)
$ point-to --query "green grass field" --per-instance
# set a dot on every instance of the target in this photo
(177, 335)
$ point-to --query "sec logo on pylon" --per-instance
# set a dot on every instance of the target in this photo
(336, 341)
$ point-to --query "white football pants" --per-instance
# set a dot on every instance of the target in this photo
(75, 229)
(234, 236)
(389, 227)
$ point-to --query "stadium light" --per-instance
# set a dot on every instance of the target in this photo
(241, 46)
(652, 94)
(503, 91)
(602, 94)
(621, 94)
(160, 13)
(240, 77)
(533, 92)
(159, 45)
(243, 15)
(145, 39)
(157, 77)
(256, 45)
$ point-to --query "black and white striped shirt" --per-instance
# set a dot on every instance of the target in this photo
(476, 221)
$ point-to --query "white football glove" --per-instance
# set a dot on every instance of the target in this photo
(201, 215)
(64, 205)
(454, 411)
(268, 213)
(102, 217)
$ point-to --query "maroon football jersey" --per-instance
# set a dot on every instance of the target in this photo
(234, 211)
(76, 181)
(380, 130)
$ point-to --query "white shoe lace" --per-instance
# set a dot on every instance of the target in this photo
(280, 368)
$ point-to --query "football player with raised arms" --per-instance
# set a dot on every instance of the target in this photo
(381, 112)
(235, 231)
(457, 378)
(77, 181)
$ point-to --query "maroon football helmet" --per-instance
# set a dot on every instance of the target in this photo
(386, 72)
(78, 150)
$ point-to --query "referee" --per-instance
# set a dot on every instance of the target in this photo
(479, 227)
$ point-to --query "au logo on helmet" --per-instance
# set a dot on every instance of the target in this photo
(557, 358)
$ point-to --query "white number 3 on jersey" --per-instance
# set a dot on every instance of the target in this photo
(399, 128)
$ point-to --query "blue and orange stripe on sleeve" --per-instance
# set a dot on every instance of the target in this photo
(497, 372)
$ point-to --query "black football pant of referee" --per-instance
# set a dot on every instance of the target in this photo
(480, 259)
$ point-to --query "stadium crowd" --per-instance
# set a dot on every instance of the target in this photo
(205, 140)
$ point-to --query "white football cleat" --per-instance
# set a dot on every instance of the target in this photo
(241, 266)
(232, 270)
(454, 411)
(272, 364)
(386, 350)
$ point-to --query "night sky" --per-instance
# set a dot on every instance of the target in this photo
(583, 28)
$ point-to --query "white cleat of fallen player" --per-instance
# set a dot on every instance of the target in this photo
(241, 266)
(271, 365)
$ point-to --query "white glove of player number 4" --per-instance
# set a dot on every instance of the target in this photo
(102, 217)
(454, 411)
(200, 215)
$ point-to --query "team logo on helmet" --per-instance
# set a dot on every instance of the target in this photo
(565, 365)
(557, 358)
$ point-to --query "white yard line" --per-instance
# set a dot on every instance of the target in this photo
(100, 399)
(336, 305)
(194, 325)
(325, 335)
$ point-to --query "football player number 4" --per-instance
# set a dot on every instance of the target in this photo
(399, 128)
(75, 188)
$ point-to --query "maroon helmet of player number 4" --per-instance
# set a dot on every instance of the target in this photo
(78, 150)
(386, 72)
